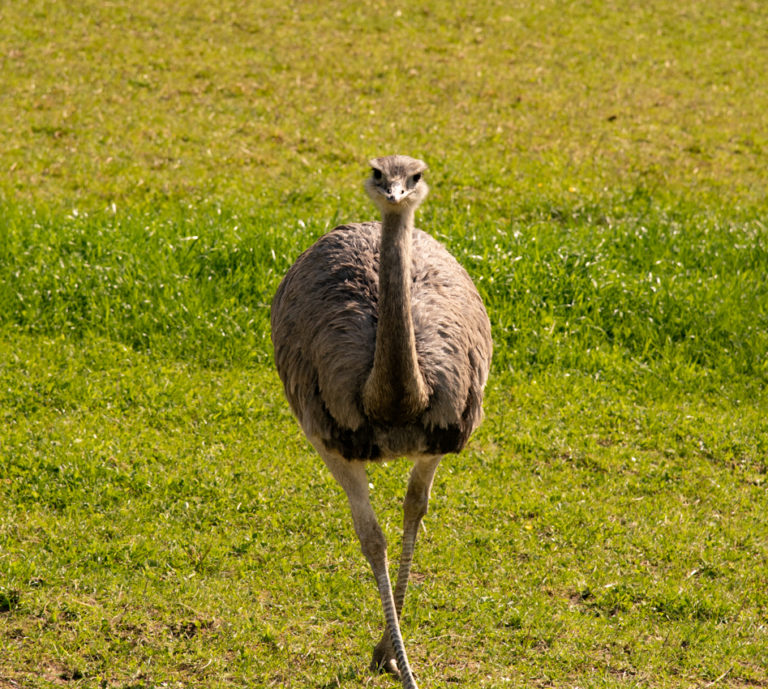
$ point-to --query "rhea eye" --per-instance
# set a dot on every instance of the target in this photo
(377, 174)
(413, 180)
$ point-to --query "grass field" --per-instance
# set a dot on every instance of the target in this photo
(599, 168)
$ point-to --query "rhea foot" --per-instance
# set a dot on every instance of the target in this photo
(384, 657)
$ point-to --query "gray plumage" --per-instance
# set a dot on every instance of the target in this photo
(324, 324)
(383, 346)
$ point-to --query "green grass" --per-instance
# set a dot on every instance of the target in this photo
(166, 523)
(110, 102)
(599, 170)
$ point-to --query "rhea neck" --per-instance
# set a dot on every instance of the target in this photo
(395, 390)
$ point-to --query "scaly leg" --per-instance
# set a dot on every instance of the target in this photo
(414, 508)
(353, 479)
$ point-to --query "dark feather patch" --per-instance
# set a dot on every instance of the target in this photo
(357, 444)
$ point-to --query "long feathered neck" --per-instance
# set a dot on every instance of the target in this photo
(395, 389)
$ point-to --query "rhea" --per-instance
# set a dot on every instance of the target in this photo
(383, 346)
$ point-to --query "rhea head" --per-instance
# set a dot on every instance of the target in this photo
(396, 184)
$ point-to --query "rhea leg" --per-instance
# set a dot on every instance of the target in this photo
(414, 508)
(353, 479)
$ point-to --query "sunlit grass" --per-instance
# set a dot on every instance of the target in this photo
(121, 101)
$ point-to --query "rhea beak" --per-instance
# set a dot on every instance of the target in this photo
(395, 193)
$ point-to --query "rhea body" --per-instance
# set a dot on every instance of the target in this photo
(383, 346)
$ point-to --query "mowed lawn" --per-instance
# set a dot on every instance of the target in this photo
(599, 168)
